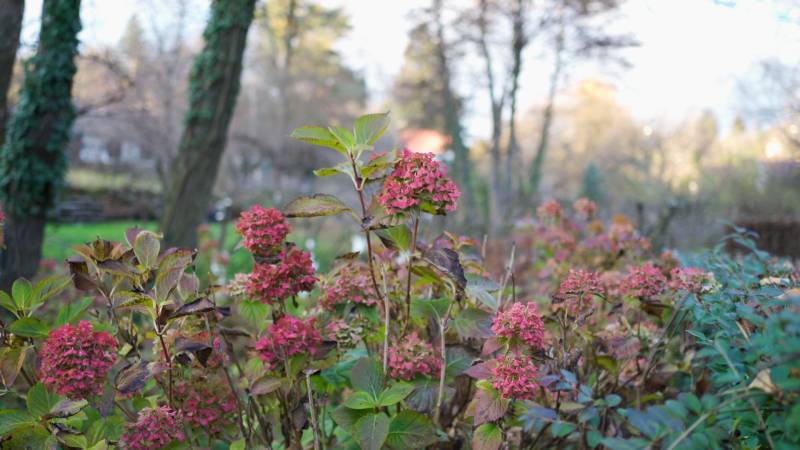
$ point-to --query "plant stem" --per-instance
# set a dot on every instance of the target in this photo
(386, 314)
(408, 279)
(705, 416)
(442, 329)
(314, 427)
(159, 332)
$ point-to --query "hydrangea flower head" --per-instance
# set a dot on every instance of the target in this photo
(578, 287)
(263, 230)
(585, 207)
(76, 359)
(353, 284)
(292, 274)
(515, 377)
(411, 357)
(287, 337)
(416, 179)
(155, 428)
(521, 321)
(644, 281)
(689, 279)
(206, 404)
(549, 210)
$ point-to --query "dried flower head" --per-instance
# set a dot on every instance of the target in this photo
(515, 377)
(154, 429)
(76, 359)
(521, 321)
(417, 179)
(352, 284)
(292, 274)
(263, 230)
(237, 287)
(411, 357)
(287, 337)
(689, 279)
(644, 281)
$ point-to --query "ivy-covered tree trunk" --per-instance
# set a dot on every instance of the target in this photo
(11, 12)
(32, 161)
(213, 87)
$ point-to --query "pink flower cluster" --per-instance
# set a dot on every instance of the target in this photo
(521, 321)
(549, 210)
(417, 178)
(75, 360)
(689, 279)
(155, 428)
(412, 357)
(287, 337)
(577, 290)
(585, 207)
(206, 405)
(353, 284)
(293, 273)
(644, 281)
(263, 230)
(515, 377)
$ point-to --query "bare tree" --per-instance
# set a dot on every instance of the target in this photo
(11, 12)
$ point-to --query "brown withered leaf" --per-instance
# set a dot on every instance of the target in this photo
(80, 273)
(132, 377)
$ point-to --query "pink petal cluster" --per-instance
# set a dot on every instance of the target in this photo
(577, 290)
(418, 178)
(206, 404)
(689, 279)
(287, 337)
(263, 230)
(292, 274)
(549, 210)
(76, 359)
(515, 377)
(155, 428)
(644, 281)
(585, 207)
(521, 321)
(353, 284)
(411, 357)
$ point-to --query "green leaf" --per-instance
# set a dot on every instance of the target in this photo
(238, 445)
(371, 431)
(395, 394)
(593, 438)
(255, 312)
(146, 248)
(613, 400)
(360, 400)
(425, 309)
(487, 405)
(74, 440)
(8, 303)
(344, 136)
(366, 375)
(72, 311)
(474, 323)
(318, 136)
(11, 360)
(691, 401)
(346, 417)
(409, 430)
(561, 429)
(398, 235)
(21, 291)
(316, 205)
(10, 420)
(369, 128)
(488, 436)
(47, 288)
(40, 401)
(66, 408)
(29, 327)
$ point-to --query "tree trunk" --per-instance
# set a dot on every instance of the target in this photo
(11, 12)
(462, 164)
(547, 120)
(32, 162)
(519, 42)
(213, 88)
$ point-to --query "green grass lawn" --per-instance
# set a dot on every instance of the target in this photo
(60, 238)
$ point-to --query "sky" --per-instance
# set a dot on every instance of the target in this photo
(692, 53)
